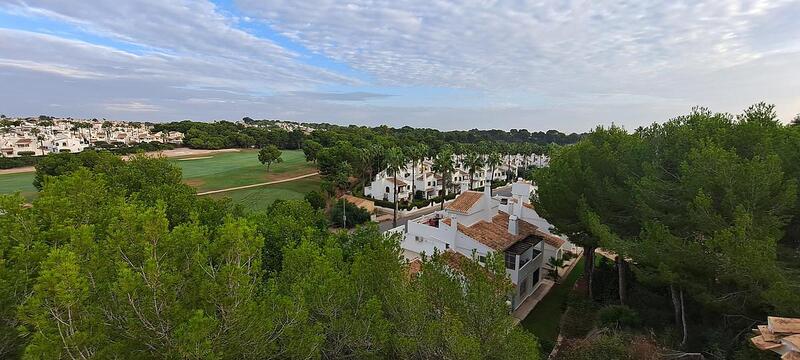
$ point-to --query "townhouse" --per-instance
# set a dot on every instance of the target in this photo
(475, 224)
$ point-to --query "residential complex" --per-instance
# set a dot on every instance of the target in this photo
(427, 184)
(476, 224)
(34, 136)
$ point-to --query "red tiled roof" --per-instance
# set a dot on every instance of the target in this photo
(397, 181)
(495, 234)
(464, 202)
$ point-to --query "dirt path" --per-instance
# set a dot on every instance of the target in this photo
(259, 184)
(168, 153)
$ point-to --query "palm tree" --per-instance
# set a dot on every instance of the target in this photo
(443, 164)
(474, 162)
(395, 161)
(493, 160)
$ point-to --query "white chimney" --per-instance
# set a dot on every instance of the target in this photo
(512, 225)
(454, 226)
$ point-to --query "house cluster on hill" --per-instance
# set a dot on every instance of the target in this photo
(428, 184)
(42, 136)
(477, 223)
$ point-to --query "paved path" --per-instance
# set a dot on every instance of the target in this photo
(259, 184)
(531, 301)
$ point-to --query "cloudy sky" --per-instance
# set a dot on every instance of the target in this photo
(568, 65)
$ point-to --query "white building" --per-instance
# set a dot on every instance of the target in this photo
(73, 135)
(477, 223)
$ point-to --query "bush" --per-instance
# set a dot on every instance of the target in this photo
(597, 348)
(316, 199)
(578, 318)
(354, 214)
(617, 316)
(15, 162)
(383, 203)
(26, 153)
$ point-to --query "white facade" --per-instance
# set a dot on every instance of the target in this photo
(475, 223)
(61, 135)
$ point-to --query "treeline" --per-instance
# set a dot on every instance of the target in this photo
(119, 259)
(436, 138)
(226, 134)
(703, 213)
(222, 134)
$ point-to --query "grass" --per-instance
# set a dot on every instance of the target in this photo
(22, 182)
(220, 171)
(259, 198)
(544, 320)
(226, 170)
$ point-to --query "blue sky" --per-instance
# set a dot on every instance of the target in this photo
(567, 65)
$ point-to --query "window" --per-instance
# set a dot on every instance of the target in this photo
(418, 238)
(446, 245)
(482, 259)
(429, 183)
(511, 261)
(523, 287)
(387, 189)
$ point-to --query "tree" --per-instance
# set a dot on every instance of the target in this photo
(395, 161)
(474, 162)
(493, 160)
(97, 267)
(311, 148)
(316, 199)
(269, 155)
(443, 164)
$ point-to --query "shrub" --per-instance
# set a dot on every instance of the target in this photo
(577, 320)
(26, 153)
(316, 199)
(596, 348)
(15, 162)
(617, 316)
(354, 214)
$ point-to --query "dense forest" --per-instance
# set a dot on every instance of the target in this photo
(703, 214)
(259, 133)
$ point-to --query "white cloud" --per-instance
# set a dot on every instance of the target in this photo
(534, 64)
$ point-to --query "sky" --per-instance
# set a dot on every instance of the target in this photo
(538, 65)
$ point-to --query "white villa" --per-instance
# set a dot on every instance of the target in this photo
(428, 184)
(64, 135)
(477, 223)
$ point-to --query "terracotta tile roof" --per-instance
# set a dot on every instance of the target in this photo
(464, 202)
(495, 234)
(780, 335)
(24, 141)
(397, 181)
(357, 201)
(528, 205)
(783, 325)
(414, 267)
(792, 355)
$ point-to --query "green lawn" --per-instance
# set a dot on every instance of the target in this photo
(22, 182)
(220, 171)
(225, 170)
(543, 321)
(256, 199)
